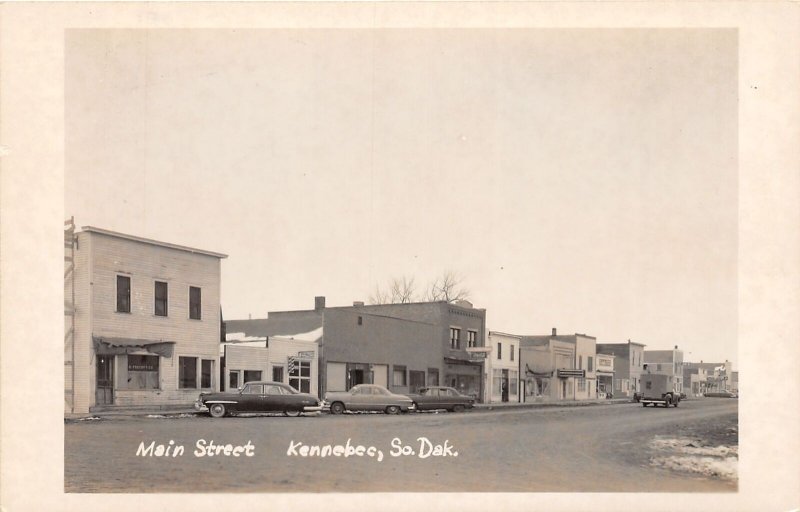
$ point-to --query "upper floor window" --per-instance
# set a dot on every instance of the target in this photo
(123, 294)
(160, 306)
(194, 303)
(455, 337)
(499, 351)
(580, 362)
(512, 352)
(472, 338)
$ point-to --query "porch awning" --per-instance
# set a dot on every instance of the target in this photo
(466, 362)
(109, 346)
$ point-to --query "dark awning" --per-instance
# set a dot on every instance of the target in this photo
(453, 360)
(106, 345)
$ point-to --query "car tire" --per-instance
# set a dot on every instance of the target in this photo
(644, 405)
(416, 407)
(458, 408)
(217, 410)
(337, 408)
(392, 409)
(668, 401)
(292, 413)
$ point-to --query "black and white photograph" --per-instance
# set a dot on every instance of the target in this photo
(364, 252)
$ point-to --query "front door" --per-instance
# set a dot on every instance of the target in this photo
(104, 394)
(504, 386)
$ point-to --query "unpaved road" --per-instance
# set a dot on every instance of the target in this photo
(593, 448)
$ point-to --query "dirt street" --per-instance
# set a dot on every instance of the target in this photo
(613, 448)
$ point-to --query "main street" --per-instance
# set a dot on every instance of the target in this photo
(612, 448)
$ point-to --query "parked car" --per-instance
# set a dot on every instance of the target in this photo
(721, 394)
(259, 397)
(441, 397)
(367, 397)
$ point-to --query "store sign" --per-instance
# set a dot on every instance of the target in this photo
(477, 356)
(305, 354)
(571, 373)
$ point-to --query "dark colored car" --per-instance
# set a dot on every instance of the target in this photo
(259, 397)
(441, 397)
(367, 397)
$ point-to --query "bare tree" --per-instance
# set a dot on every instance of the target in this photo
(402, 290)
(447, 287)
(379, 296)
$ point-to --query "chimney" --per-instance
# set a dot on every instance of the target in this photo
(554, 331)
(319, 303)
(358, 303)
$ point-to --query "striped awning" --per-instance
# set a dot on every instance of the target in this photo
(107, 345)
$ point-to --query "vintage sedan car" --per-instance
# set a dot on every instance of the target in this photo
(441, 397)
(367, 397)
(259, 397)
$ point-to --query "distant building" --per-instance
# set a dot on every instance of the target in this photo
(142, 321)
(666, 362)
(400, 346)
(628, 365)
(502, 367)
(559, 367)
(719, 376)
(605, 375)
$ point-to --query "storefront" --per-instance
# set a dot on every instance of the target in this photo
(464, 376)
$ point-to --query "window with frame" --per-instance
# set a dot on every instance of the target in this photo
(187, 372)
(300, 376)
(206, 373)
(194, 302)
(499, 351)
(580, 362)
(251, 375)
(497, 381)
(161, 293)
(123, 294)
(233, 379)
(512, 352)
(143, 371)
(455, 338)
(589, 363)
(581, 384)
(513, 376)
(399, 376)
(472, 338)
(277, 373)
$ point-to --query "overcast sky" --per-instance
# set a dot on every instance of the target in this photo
(578, 179)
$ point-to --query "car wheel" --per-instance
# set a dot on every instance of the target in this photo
(217, 410)
(668, 401)
(292, 413)
(392, 409)
(337, 408)
(644, 405)
(458, 408)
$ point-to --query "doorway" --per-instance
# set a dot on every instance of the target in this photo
(504, 387)
(104, 393)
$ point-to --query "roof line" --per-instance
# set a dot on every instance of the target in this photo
(92, 229)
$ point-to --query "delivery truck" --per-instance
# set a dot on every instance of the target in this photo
(659, 390)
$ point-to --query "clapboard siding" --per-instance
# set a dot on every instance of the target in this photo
(103, 257)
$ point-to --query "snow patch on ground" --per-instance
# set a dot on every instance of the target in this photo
(690, 456)
(181, 415)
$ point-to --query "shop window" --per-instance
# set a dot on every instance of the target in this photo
(123, 294)
(143, 372)
(433, 376)
(497, 381)
(206, 371)
(187, 372)
(416, 380)
(513, 378)
(300, 376)
(233, 379)
(194, 302)
(455, 338)
(399, 376)
(581, 384)
(160, 306)
(251, 375)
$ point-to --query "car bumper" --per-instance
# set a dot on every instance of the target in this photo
(200, 406)
(312, 408)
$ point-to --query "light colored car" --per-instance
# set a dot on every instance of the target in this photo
(367, 397)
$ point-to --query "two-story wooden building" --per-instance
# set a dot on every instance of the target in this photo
(142, 321)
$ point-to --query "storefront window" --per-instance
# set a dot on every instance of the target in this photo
(497, 381)
(399, 376)
(187, 372)
(206, 371)
(300, 376)
(513, 377)
(143, 372)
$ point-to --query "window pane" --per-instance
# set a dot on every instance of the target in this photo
(305, 369)
(207, 371)
(143, 372)
(194, 303)
(123, 294)
(234, 380)
(187, 372)
(160, 308)
(251, 375)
